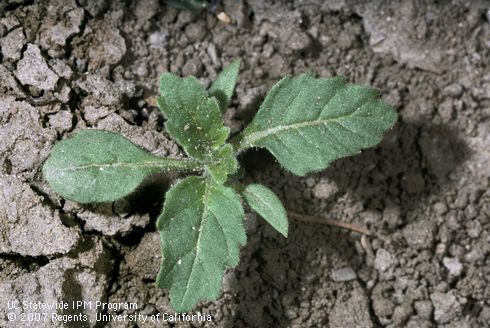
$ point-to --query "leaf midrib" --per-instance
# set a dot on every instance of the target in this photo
(207, 186)
(252, 138)
(173, 163)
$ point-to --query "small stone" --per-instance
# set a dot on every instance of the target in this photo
(325, 189)
(453, 265)
(224, 17)
(33, 70)
(383, 260)
(157, 39)
(446, 307)
(344, 274)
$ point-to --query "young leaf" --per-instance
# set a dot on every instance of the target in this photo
(201, 231)
(224, 85)
(193, 118)
(101, 166)
(224, 163)
(307, 123)
(263, 200)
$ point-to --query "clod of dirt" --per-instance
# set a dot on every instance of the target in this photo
(25, 143)
(100, 90)
(28, 227)
(108, 48)
(8, 85)
(453, 265)
(446, 307)
(33, 70)
(12, 44)
(66, 280)
(63, 20)
(105, 219)
(388, 31)
(351, 312)
(420, 234)
(143, 260)
(61, 121)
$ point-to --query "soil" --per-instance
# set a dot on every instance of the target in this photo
(424, 192)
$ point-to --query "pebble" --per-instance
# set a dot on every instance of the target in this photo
(383, 260)
(343, 274)
(453, 265)
(325, 188)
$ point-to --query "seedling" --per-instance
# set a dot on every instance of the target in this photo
(305, 122)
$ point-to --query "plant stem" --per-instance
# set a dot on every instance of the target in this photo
(335, 223)
(174, 164)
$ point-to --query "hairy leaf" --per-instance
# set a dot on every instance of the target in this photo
(307, 123)
(201, 231)
(223, 164)
(193, 118)
(100, 166)
(224, 85)
(263, 200)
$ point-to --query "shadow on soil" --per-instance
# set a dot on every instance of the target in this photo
(413, 162)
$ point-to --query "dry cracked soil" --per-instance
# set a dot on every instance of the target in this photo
(424, 191)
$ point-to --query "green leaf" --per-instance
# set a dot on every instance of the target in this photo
(307, 123)
(201, 230)
(263, 200)
(100, 166)
(223, 164)
(193, 118)
(224, 85)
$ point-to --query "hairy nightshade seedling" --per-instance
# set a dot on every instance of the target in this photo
(305, 122)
